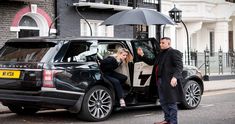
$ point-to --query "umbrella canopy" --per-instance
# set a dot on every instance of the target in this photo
(138, 16)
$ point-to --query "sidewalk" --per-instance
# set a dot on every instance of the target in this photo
(208, 86)
(219, 85)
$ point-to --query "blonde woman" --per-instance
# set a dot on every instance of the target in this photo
(108, 66)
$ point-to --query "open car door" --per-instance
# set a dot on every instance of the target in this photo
(142, 71)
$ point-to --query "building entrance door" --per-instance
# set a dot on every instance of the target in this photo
(230, 40)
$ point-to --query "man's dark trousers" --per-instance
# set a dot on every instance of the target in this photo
(169, 109)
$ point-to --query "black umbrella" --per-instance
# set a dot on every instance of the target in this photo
(138, 16)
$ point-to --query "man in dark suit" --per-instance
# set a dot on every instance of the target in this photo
(167, 74)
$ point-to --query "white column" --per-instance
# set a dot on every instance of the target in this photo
(233, 23)
(170, 32)
(221, 35)
(193, 27)
(152, 31)
(181, 40)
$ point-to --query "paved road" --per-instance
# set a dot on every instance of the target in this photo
(217, 107)
(208, 87)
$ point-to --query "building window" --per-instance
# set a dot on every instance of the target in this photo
(150, 1)
(28, 27)
(212, 43)
(230, 40)
(142, 31)
(97, 29)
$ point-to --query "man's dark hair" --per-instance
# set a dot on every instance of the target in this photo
(166, 38)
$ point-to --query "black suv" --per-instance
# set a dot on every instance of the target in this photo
(53, 73)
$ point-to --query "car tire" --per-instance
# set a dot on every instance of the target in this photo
(97, 104)
(192, 95)
(21, 110)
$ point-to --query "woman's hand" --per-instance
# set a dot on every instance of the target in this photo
(140, 51)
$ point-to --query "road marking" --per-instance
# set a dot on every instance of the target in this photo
(213, 93)
(207, 105)
(143, 115)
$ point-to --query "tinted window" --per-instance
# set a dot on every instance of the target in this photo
(146, 46)
(106, 49)
(24, 51)
(78, 51)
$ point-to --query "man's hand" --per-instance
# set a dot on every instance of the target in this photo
(140, 51)
(173, 82)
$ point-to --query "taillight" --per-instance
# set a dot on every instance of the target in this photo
(48, 78)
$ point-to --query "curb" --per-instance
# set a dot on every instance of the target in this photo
(212, 90)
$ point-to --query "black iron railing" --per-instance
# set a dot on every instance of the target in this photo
(221, 63)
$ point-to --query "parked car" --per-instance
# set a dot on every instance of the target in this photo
(53, 73)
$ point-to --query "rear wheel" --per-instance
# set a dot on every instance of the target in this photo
(192, 96)
(22, 110)
(97, 104)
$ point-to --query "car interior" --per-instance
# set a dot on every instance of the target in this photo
(110, 49)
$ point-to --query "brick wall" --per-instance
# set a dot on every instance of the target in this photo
(8, 11)
(69, 21)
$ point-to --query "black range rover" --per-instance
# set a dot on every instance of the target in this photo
(55, 73)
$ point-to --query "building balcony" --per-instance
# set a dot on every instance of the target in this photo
(117, 5)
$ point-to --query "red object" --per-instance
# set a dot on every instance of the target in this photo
(48, 78)
(24, 11)
(156, 74)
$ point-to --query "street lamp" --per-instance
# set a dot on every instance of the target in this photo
(176, 15)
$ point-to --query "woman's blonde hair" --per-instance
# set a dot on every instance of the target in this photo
(129, 57)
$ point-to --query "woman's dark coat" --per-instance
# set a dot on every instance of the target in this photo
(109, 64)
(169, 64)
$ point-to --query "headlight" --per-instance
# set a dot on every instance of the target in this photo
(198, 73)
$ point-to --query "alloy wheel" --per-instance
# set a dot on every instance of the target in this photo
(99, 104)
(193, 94)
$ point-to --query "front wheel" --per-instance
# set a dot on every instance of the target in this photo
(97, 104)
(192, 96)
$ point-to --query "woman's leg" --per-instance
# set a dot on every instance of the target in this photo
(121, 77)
(117, 86)
(117, 79)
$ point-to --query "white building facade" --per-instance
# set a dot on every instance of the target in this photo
(210, 23)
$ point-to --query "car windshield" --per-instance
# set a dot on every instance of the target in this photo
(24, 51)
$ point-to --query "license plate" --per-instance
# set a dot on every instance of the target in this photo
(9, 74)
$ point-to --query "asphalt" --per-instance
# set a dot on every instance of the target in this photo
(212, 85)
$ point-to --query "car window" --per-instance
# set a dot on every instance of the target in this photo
(25, 51)
(146, 46)
(78, 51)
(64, 46)
(107, 49)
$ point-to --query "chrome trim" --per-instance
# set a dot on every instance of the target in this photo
(21, 69)
(45, 89)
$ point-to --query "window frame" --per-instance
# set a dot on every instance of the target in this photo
(153, 49)
(97, 29)
(107, 43)
(66, 47)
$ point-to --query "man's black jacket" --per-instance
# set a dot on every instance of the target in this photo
(170, 65)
